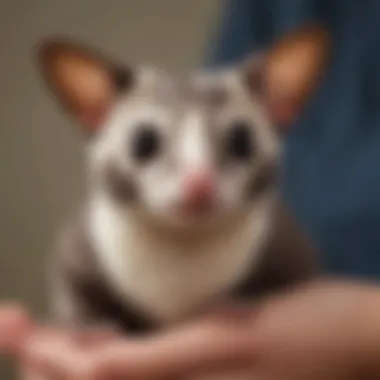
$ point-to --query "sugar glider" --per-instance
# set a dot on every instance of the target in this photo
(183, 208)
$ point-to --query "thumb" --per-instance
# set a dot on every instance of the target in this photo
(15, 327)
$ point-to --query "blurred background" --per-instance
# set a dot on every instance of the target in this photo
(41, 162)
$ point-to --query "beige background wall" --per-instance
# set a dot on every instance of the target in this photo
(41, 157)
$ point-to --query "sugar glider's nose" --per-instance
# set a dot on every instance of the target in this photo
(198, 190)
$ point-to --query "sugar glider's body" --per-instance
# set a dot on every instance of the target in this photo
(165, 286)
(183, 210)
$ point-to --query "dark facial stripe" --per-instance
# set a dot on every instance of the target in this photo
(264, 180)
(119, 185)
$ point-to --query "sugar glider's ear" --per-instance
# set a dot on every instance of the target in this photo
(287, 73)
(85, 83)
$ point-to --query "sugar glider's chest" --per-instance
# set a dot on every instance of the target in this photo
(169, 279)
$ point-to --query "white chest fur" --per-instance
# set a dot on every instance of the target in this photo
(166, 277)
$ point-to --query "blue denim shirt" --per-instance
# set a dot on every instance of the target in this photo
(332, 161)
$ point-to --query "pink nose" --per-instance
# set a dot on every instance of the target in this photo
(198, 189)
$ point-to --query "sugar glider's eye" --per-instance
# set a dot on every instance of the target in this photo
(239, 143)
(146, 142)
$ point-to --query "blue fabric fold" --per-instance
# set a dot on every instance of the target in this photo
(332, 162)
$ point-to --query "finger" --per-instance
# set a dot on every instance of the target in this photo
(94, 336)
(28, 373)
(201, 346)
(88, 337)
(47, 338)
(15, 325)
(47, 350)
(65, 354)
(65, 362)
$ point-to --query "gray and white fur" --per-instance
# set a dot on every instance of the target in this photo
(142, 254)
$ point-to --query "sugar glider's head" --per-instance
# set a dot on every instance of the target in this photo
(189, 149)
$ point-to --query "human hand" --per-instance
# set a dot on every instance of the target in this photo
(326, 330)
(18, 328)
(84, 340)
